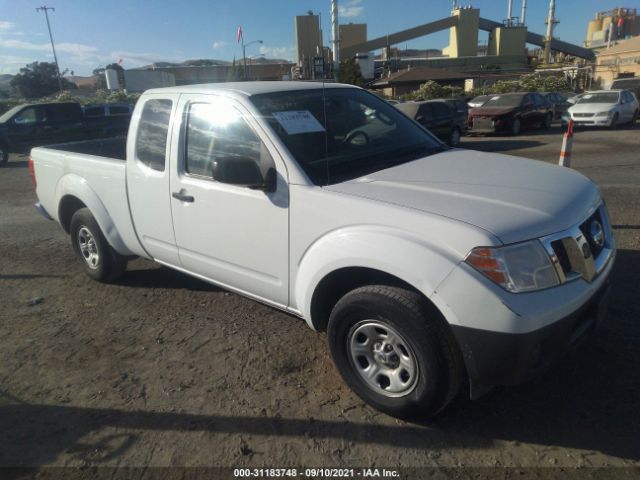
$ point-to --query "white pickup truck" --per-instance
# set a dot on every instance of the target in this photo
(427, 266)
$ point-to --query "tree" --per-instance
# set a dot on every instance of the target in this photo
(38, 79)
(350, 73)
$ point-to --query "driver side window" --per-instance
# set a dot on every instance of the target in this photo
(30, 115)
(215, 130)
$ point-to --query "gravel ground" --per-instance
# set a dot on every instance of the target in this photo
(164, 370)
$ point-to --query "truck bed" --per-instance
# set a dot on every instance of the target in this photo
(101, 166)
(114, 148)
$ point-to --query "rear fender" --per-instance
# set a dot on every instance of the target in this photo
(76, 186)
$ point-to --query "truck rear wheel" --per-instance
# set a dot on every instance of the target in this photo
(100, 261)
(4, 155)
(394, 351)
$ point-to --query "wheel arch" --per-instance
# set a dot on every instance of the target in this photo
(363, 255)
(75, 193)
(338, 283)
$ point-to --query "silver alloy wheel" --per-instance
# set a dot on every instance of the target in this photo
(382, 358)
(88, 247)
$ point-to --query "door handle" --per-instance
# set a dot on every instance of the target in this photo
(182, 196)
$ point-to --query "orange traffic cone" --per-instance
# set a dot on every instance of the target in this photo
(567, 144)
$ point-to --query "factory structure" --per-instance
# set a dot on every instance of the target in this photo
(612, 25)
(611, 51)
(506, 51)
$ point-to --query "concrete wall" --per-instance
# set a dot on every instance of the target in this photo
(308, 37)
(463, 38)
(141, 80)
(609, 67)
(508, 41)
(353, 34)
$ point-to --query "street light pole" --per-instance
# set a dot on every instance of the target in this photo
(244, 56)
(55, 57)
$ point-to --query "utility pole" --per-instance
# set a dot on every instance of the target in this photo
(55, 57)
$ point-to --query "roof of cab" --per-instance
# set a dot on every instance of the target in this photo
(249, 88)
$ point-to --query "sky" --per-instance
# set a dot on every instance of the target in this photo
(89, 33)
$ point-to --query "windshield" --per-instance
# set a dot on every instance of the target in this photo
(6, 116)
(361, 134)
(504, 101)
(606, 97)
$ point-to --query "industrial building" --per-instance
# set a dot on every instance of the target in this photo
(619, 61)
(309, 46)
(612, 25)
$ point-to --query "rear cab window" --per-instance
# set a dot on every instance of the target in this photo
(153, 129)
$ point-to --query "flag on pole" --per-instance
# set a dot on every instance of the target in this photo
(239, 35)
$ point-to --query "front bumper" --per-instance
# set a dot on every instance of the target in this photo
(588, 121)
(506, 338)
(498, 358)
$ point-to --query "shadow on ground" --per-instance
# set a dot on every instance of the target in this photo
(164, 277)
(588, 402)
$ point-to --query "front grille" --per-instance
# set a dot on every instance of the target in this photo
(583, 115)
(583, 250)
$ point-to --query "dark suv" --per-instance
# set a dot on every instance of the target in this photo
(510, 113)
(439, 117)
(31, 125)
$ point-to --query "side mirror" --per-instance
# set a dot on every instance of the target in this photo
(243, 172)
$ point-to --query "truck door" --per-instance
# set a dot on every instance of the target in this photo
(28, 128)
(233, 235)
(148, 176)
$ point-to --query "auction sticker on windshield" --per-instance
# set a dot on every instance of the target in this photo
(298, 121)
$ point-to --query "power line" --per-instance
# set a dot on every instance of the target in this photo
(53, 47)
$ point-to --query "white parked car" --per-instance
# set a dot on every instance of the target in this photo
(427, 266)
(605, 108)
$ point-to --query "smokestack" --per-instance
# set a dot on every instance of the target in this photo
(524, 11)
(335, 34)
(551, 21)
(509, 13)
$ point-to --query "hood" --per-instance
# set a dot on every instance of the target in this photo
(592, 107)
(512, 198)
(491, 111)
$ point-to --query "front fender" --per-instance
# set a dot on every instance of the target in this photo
(76, 186)
(408, 257)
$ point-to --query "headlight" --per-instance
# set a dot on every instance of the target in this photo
(523, 267)
(603, 114)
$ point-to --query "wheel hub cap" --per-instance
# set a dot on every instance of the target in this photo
(88, 247)
(383, 358)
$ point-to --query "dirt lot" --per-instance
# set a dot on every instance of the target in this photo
(164, 370)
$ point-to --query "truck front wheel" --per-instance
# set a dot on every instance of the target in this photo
(100, 261)
(394, 352)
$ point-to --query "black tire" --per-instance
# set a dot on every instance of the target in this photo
(425, 339)
(614, 121)
(4, 155)
(100, 261)
(515, 127)
(546, 123)
(454, 138)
